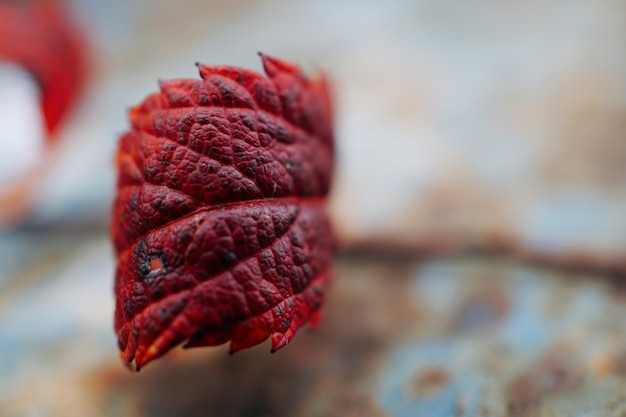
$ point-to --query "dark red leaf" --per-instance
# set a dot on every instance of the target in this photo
(38, 36)
(219, 222)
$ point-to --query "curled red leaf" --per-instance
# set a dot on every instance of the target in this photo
(219, 223)
(40, 37)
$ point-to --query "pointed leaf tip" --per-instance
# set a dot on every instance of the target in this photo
(274, 66)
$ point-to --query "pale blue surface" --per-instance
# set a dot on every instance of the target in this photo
(546, 313)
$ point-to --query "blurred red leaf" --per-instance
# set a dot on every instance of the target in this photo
(40, 37)
(219, 222)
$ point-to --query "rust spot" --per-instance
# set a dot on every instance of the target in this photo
(551, 375)
(602, 365)
(610, 364)
(428, 383)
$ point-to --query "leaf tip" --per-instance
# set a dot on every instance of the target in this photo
(274, 66)
(204, 70)
(132, 365)
(279, 341)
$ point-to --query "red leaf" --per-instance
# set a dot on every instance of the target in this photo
(219, 222)
(38, 36)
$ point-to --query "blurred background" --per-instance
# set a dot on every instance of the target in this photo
(479, 201)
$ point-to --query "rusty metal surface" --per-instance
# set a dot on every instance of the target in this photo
(498, 125)
(509, 340)
(467, 336)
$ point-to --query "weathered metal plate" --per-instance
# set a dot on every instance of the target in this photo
(489, 122)
(469, 337)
